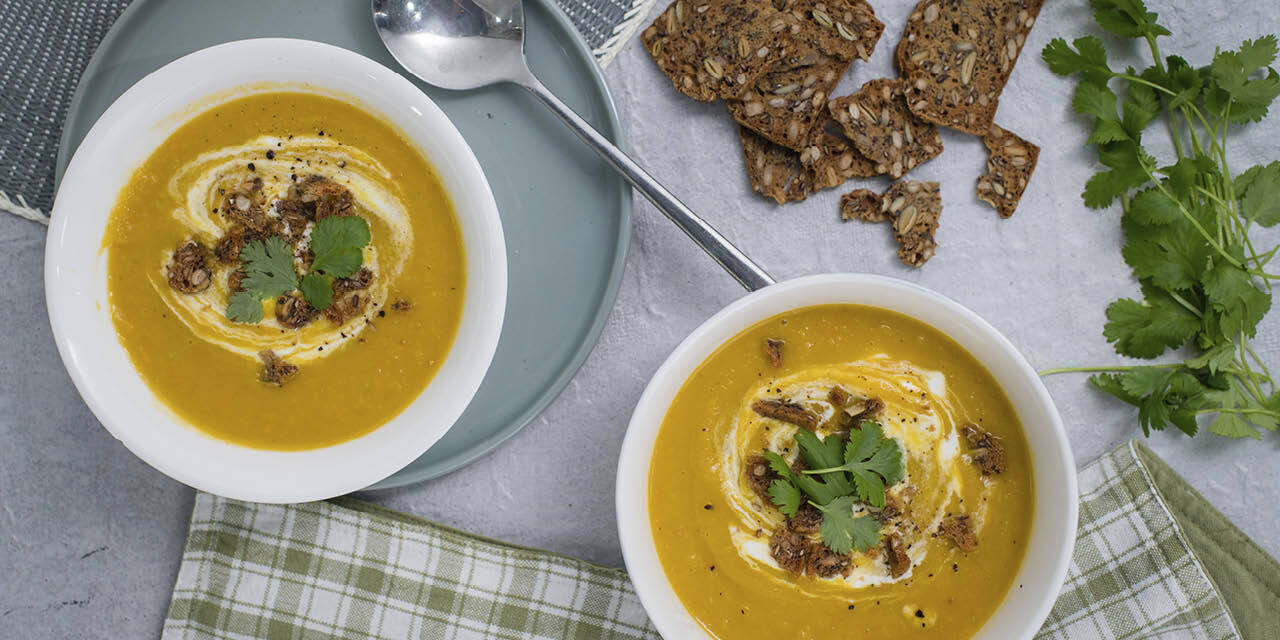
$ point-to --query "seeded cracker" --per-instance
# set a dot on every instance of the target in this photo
(788, 101)
(913, 208)
(787, 176)
(881, 127)
(1010, 162)
(957, 56)
(717, 48)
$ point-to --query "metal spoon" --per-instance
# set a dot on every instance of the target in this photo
(466, 44)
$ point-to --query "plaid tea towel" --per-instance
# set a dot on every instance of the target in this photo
(1153, 560)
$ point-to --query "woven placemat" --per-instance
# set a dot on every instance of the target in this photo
(45, 45)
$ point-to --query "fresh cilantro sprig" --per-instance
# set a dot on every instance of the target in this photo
(1186, 220)
(338, 244)
(872, 460)
(845, 474)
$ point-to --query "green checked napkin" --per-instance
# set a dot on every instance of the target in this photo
(1152, 560)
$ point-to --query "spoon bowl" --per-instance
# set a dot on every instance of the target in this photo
(455, 44)
(467, 44)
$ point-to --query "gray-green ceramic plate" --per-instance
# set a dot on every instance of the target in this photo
(565, 214)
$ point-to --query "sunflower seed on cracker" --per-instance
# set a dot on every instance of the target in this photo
(956, 56)
(1010, 163)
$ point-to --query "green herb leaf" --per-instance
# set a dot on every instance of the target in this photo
(1236, 300)
(842, 532)
(268, 268)
(1127, 171)
(1231, 71)
(873, 461)
(1127, 18)
(243, 306)
(1259, 193)
(1152, 206)
(338, 243)
(821, 453)
(786, 496)
(1088, 58)
(318, 290)
(1145, 330)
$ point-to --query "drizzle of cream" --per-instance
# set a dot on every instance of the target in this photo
(195, 185)
(918, 412)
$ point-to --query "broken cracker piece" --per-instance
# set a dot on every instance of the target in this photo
(881, 127)
(956, 56)
(717, 48)
(916, 207)
(913, 208)
(1010, 163)
(862, 204)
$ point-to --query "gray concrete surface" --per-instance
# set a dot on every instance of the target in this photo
(90, 537)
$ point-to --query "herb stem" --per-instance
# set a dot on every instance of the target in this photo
(1109, 369)
(1238, 411)
(1191, 218)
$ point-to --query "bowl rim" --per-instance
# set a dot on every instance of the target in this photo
(1054, 526)
(150, 110)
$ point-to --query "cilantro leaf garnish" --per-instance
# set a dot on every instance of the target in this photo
(243, 306)
(268, 268)
(338, 242)
(872, 460)
(842, 532)
(317, 289)
(786, 496)
(853, 472)
(1186, 222)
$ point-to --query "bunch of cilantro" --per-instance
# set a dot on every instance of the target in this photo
(840, 475)
(1186, 222)
(338, 244)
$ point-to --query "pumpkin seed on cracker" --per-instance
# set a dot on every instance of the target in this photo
(956, 56)
(717, 48)
(881, 127)
(1010, 163)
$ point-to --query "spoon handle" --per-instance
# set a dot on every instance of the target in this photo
(746, 272)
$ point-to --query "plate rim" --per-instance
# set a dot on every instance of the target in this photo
(612, 129)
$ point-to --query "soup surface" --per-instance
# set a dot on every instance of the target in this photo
(933, 558)
(227, 243)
